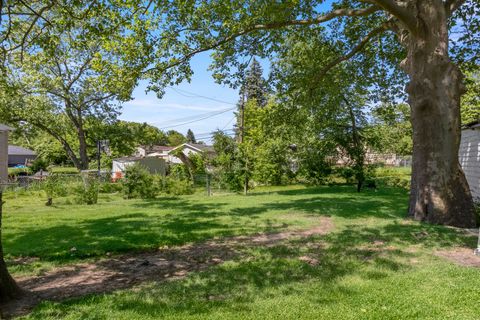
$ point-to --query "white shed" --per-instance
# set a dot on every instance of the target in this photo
(469, 156)
(154, 164)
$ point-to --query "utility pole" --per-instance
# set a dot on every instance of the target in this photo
(242, 117)
(242, 138)
(99, 150)
(102, 145)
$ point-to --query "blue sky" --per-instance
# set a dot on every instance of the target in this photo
(146, 107)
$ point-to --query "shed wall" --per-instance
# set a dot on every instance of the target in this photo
(3, 156)
(469, 156)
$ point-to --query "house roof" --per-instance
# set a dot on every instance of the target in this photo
(153, 149)
(4, 127)
(20, 151)
(127, 159)
(196, 146)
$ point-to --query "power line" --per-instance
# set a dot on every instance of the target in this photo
(189, 94)
(229, 122)
(215, 131)
(194, 117)
(206, 117)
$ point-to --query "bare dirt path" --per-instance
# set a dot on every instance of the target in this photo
(121, 272)
(461, 256)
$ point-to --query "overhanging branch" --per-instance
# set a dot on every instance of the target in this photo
(452, 5)
(270, 26)
(384, 27)
(401, 13)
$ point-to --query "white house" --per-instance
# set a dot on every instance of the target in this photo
(189, 149)
(170, 155)
(469, 156)
(153, 151)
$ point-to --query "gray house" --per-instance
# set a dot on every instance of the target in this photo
(20, 156)
(469, 156)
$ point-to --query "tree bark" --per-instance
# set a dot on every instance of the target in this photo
(9, 289)
(82, 148)
(439, 190)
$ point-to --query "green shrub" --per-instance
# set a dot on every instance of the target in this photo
(63, 170)
(53, 186)
(110, 187)
(178, 187)
(38, 164)
(347, 173)
(19, 171)
(138, 183)
(179, 171)
(394, 177)
(87, 193)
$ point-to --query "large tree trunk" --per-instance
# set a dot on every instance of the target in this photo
(8, 288)
(439, 191)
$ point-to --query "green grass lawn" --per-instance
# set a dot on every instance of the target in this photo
(373, 265)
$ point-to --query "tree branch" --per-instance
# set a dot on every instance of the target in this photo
(384, 27)
(398, 12)
(81, 70)
(40, 13)
(274, 25)
(452, 5)
(98, 99)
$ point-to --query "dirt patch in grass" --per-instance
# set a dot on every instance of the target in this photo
(125, 271)
(461, 256)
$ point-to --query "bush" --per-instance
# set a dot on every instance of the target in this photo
(38, 164)
(53, 186)
(179, 171)
(14, 172)
(138, 183)
(87, 193)
(110, 187)
(63, 170)
(394, 177)
(177, 186)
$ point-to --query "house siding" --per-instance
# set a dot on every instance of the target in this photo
(469, 156)
(3, 155)
(15, 159)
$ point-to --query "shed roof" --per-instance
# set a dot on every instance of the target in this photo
(20, 151)
(127, 159)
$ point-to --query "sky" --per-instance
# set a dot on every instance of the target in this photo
(183, 101)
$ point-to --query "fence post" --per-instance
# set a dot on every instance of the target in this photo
(209, 192)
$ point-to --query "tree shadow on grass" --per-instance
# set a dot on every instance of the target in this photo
(249, 269)
(191, 221)
(134, 231)
(257, 270)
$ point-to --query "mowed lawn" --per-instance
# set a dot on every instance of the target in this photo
(373, 265)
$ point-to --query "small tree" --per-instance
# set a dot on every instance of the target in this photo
(191, 137)
(52, 186)
(138, 183)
